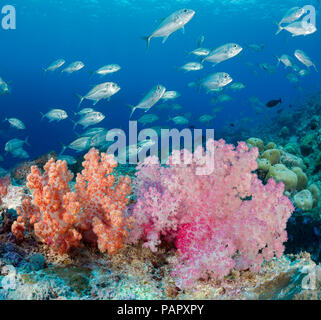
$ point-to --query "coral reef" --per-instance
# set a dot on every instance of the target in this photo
(218, 222)
(63, 219)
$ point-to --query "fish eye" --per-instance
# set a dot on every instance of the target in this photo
(185, 10)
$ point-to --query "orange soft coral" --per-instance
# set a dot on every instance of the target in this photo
(103, 201)
(53, 221)
(93, 213)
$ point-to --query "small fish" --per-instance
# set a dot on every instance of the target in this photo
(92, 132)
(191, 66)
(4, 87)
(236, 86)
(148, 118)
(100, 92)
(108, 69)
(176, 107)
(20, 153)
(84, 111)
(90, 119)
(69, 159)
(221, 98)
(99, 139)
(180, 120)
(304, 72)
(73, 67)
(170, 95)
(292, 77)
(16, 123)
(268, 67)
(55, 115)
(292, 15)
(174, 22)
(216, 81)
(14, 144)
(273, 103)
(80, 144)
(147, 143)
(305, 59)
(206, 118)
(256, 47)
(223, 53)
(286, 60)
(54, 65)
(150, 99)
(300, 28)
(200, 41)
(232, 125)
(200, 52)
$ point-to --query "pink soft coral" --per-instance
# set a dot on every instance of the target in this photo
(227, 219)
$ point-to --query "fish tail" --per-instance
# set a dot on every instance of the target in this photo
(75, 124)
(27, 142)
(280, 100)
(91, 73)
(64, 147)
(315, 67)
(279, 29)
(81, 99)
(147, 39)
(42, 115)
(133, 110)
(279, 60)
(44, 71)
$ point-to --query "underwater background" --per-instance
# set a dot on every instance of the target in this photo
(104, 32)
(274, 108)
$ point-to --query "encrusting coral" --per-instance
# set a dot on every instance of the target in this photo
(64, 219)
(218, 222)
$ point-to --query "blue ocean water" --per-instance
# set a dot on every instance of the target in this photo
(101, 32)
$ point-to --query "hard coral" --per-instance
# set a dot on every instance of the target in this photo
(63, 219)
(220, 221)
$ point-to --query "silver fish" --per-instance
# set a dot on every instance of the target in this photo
(108, 69)
(150, 99)
(92, 132)
(16, 123)
(84, 111)
(216, 81)
(200, 52)
(148, 118)
(305, 59)
(90, 119)
(14, 144)
(180, 120)
(55, 65)
(20, 153)
(286, 60)
(73, 67)
(100, 92)
(69, 159)
(170, 95)
(80, 144)
(99, 139)
(256, 47)
(174, 22)
(300, 28)
(55, 115)
(223, 53)
(191, 66)
(4, 87)
(292, 15)
(237, 86)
